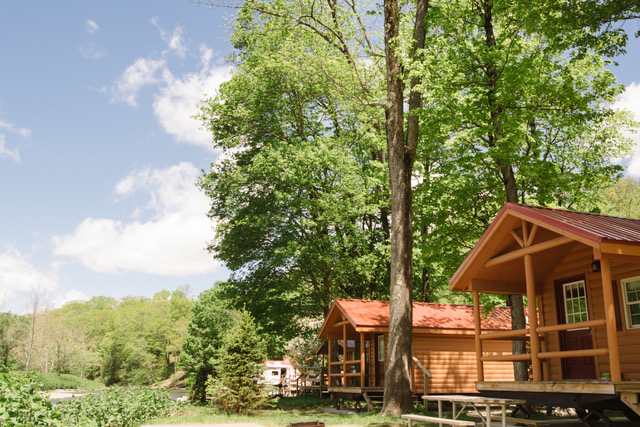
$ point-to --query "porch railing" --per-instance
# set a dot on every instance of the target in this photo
(426, 376)
(525, 334)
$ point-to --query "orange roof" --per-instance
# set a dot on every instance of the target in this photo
(375, 314)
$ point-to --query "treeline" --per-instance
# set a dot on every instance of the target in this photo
(135, 340)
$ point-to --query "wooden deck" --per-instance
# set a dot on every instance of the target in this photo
(580, 394)
(368, 394)
(355, 390)
(574, 387)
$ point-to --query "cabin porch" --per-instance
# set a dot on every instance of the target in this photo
(352, 361)
(356, 366)
(582, 336)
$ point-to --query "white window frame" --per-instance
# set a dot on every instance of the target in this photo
(564, 298)
(627, 304)
(380, 348)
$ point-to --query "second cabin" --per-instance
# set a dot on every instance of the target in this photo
(443, 347)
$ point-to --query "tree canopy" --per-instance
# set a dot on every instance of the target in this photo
(499, 108)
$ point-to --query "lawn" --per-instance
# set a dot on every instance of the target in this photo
(283, 411)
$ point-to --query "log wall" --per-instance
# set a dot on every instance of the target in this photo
(451, 360)
(578, 263)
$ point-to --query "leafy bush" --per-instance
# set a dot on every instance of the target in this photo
(209, 319)
(117, 407)
(21, 403)
(66, 381)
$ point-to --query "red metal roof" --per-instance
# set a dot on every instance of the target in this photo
(577, 225)
(592, 226)
(369, 313)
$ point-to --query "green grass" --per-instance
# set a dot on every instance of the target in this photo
(283, 411)
(66, 381)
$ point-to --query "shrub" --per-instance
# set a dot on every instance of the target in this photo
(117, 407)
(66, 381)
(21, 403)
(209, 319)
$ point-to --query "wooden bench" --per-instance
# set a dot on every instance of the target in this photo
(514, 420)
(415, 417)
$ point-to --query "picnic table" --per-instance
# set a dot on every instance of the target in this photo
(474, 402)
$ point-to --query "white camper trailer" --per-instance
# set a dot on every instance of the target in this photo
(280, 376)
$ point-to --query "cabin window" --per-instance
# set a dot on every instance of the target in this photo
(380, 348)
(631, 294)
(575, 302)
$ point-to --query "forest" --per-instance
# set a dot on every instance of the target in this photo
(365, 148)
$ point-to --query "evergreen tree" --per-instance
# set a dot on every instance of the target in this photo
(236, 389)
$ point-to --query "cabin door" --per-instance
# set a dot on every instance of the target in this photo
(380, 353)
(573, 308)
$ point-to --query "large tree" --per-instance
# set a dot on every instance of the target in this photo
(520, 120)
(511, 117)
(299, 196)
(337, 36)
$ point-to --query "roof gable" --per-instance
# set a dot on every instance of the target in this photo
(558, 229)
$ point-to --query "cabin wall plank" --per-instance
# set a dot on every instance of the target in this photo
(578, 262)
(451, 361)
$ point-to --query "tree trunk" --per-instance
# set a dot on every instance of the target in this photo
(515, 302)
(398, 397)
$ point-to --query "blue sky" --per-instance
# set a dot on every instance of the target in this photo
(99, 155)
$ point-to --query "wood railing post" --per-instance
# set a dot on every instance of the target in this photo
(610, 317)
(344, 355)
(533, 317)
(362, 360)
(329, 371)
(478, 328)
(546, 373)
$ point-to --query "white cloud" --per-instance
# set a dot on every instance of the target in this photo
(72, 295)
(141, 73)
(18, 277)
(178, 100)
(92, 51)
(91, 27)
(5, 151)
(630, 100)
(174, 39)
(12, 128)
(8, 152)
(170, 242)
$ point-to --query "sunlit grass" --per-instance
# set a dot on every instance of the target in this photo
(283, 411)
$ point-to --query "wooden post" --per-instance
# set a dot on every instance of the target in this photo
(362, 360)
(478, 328)
(546, 373)
(610, 317)
(533, 318)
(344, 355)
(329, 371)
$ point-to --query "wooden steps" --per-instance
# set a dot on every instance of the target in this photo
(372, 398)
(415, 417)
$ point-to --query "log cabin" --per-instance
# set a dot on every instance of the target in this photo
(580, 273)
(443, 348)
